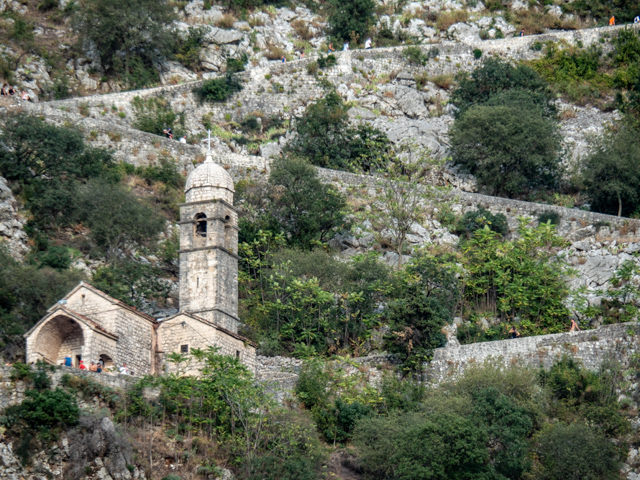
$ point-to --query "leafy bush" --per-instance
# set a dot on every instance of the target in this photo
(154, 115)
(308, 209)
(351, 19)
(574, 72)
(336, 423)
(419, 447)
(116, 217)
(218, 89)
(328, 61)
(187, 52)
(47, 409)
(312, 385)
(576, 452)
(236, 65)
(477, 53)
(519, 278)
(479, 218)
(49, 163)
(548, 216)
(429, 293)
(414, 55)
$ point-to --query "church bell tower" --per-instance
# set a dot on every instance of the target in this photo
(209, 246)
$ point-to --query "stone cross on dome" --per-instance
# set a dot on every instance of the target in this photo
(209, 141)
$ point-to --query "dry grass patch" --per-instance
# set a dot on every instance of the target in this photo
(446, 19)
(444, 80)
(534, 22)
(275, 53)
(226, 21)
(302, 29)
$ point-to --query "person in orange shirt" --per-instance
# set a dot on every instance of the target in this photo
(612, 21)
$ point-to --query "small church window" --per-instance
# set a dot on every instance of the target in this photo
(184, 348)
(238, 354)
(201, 224)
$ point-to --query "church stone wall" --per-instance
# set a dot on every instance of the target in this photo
(86, 302)
(135, 342)
(185, 330)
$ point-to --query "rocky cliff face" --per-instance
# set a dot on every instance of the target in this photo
(11, 224)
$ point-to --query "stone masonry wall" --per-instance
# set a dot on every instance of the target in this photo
(12, 393)
(617, 342)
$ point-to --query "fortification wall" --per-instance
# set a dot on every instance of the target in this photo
(286, 88)
(619, 342)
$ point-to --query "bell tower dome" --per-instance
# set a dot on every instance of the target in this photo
(209, 246)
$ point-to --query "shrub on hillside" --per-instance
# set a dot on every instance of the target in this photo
(154, 115)
(476, 219)
(576, 452)
(518, 278)
(49, 163)
(218, 89)
(308, 210)
(428, 294)
(414, 446)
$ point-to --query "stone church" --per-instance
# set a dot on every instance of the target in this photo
(88, 324)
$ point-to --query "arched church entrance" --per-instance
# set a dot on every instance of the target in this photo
(60, 337)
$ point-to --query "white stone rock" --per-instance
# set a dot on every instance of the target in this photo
(555, 11)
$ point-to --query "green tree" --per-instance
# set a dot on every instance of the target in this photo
(611, 173)
(129, 35)
(46, 409)
(116, 217)
(403, 194)
(508, 427)
(307, 209)
(351, 19)
(509, 150)
(496, 76)
(219, 89)
(576, 452)
(49, 163)
(327, 140)
(26, 292)
(426, 300)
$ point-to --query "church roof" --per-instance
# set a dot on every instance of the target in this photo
(209, 174)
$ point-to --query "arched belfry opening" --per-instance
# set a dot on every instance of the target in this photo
(60, 337)
(200, 229)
